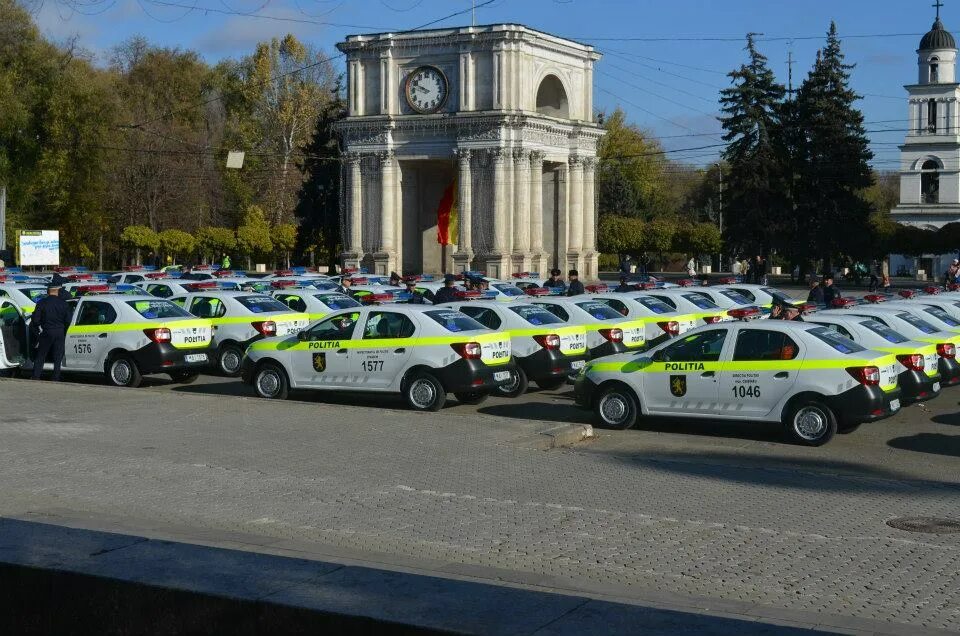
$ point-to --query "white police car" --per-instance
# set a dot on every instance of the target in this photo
(420, 351)
(240, 318)
(126, 337)
(726, 299)
(608, 331)
(684, 301)
(315, 303)
(806, 377)
(660, 320)
(25, 295)
(762, 296)
(545, 348)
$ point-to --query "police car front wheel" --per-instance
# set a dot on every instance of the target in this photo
(270, 381)
(616, 407)
(425, 393)
(123, 371)
(811, 423)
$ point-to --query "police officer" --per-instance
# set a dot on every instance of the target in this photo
(416, 298)
(554, 281)
(447, 293)
(576, 287)
(395, 279)
(816, 292)
(623, 287)
(49, 323)
(830, 292)
(345, 284)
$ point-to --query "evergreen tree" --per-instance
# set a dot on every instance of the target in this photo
(757, 205)
(833, 155)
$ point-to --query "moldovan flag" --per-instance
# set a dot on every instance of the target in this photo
(448, 225)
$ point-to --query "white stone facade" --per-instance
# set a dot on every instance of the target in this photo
(515, 131)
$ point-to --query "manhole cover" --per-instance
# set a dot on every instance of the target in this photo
(929, 525)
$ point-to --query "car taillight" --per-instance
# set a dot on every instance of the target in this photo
(946, 350)
(867, 376)
(158, 335)
(711, 319)
(613, 335)
(548, 341)
(913, 361)
(265, 327)
(467, 350)
(672, 327)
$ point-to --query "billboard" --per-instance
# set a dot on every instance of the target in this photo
(39, 247)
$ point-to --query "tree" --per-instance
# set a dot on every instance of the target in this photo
(284, 238)
(214, 241)
(177, 243)
(253, 237)
(657, 236)
(757, 205)
(834, 156)
(697, 238)
(139, 238)
(630, 170)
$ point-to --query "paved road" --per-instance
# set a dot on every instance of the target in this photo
(729, 513)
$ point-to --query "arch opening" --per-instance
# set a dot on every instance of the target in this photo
(930, 182)
(552, 98)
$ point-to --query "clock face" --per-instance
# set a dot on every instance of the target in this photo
(426, 89)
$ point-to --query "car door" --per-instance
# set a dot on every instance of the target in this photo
(383, 351)
(322, 358)
(684, 374)
(762, 370)
(13, 335)
(87, 336)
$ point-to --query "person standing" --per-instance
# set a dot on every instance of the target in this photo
(735, 270)
(875, 274)
(692, 267)
(346, 283)
(816, 292)
(830, 292)
(447, 293)
(576, 287)
(554, 281)
(225, 263)
(49, 323)
(416, 298)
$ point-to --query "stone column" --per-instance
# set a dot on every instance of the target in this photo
(521, 210)
(497, 85)
(589, 219)
(353, 252)
(575, 212)
(384, 259)
(498, 261)
(464, 254)
(387, 87)
(588, 96)
(538, 260)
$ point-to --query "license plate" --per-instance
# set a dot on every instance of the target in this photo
(894, 405)
(195, 357)
(500, 376)
(577, 364)
(936, 387)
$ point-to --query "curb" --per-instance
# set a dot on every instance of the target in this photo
(566, 435)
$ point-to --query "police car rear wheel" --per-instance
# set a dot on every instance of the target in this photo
(230, 358)
(270, 382)
(425, 393)
(516, 385)
(811, 423)
(473, 397)
(123, 371)
(616, 407)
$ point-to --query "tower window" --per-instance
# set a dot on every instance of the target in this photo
(934, 70)
(929, 182)
(932, 116)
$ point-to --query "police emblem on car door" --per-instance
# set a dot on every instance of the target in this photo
(678, 385)
(320, 362)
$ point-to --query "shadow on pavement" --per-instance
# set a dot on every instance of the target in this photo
(815, 474)
(541, 411)
(950, 419)
(933, 443)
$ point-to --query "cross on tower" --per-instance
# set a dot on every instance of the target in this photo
(937, 4)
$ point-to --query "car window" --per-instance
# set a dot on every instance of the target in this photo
(942, 316)
(535, 315)
(736, 297)
(666, 300)
(508, 290)
(599, 310)
(617, 306)
(484, 315)
(9, 316)
(761, 344)
(778, 295)
(33, 293)
(704, 346)
(840, 329)
(179, 300)
(134, 278)
(884, 331)
(115, 278)
(336, 301)
(746, 294)
(655, 305)
(835, 341)
(207, 307)
(880, 320)
(701, 302)
(161, 291)
(96, 313)
(339, 327)
(293, 301)
(557, 311)
(453, 320)
(387, 324)
(158, 309)
(261, 304)
(917, 322)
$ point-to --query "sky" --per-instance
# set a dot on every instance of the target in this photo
(664, 63)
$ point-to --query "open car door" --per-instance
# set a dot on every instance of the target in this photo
(14, 346)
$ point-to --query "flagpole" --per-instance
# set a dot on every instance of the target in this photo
(443, 258)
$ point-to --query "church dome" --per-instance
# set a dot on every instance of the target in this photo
(937, 38)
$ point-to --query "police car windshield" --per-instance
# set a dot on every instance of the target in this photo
(701, 302)
(835, 341)
(600, 311)
(508, 290)
(535, 315)
(33, 293)
(261, 304)
(736, 297)
(942, 316)
(778, 295)
(655, 305)
(919, 323)
(336, 301)
(454, 320)
(884, 331)
(152, 309)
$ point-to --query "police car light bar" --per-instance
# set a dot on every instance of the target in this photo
(348, 270)
(11, 270)
(133, 268)
(686, 282)
(526, 275)
(470, 294)
(79, 277)
(207, 284)
(92, 289)
(907, 293)
(155, 275)
(600, 288)
(282, 284)
(729, 280)
(647, 285)
(64, 270)
(953, 287)
(284, 272)
(537, 291)
(490, 294)
(875, 298)
(806, 308)
(377, 298)
(843, 302)
(746, 313)
(931, 289)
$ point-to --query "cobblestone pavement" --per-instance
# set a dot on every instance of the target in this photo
(730, 514)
